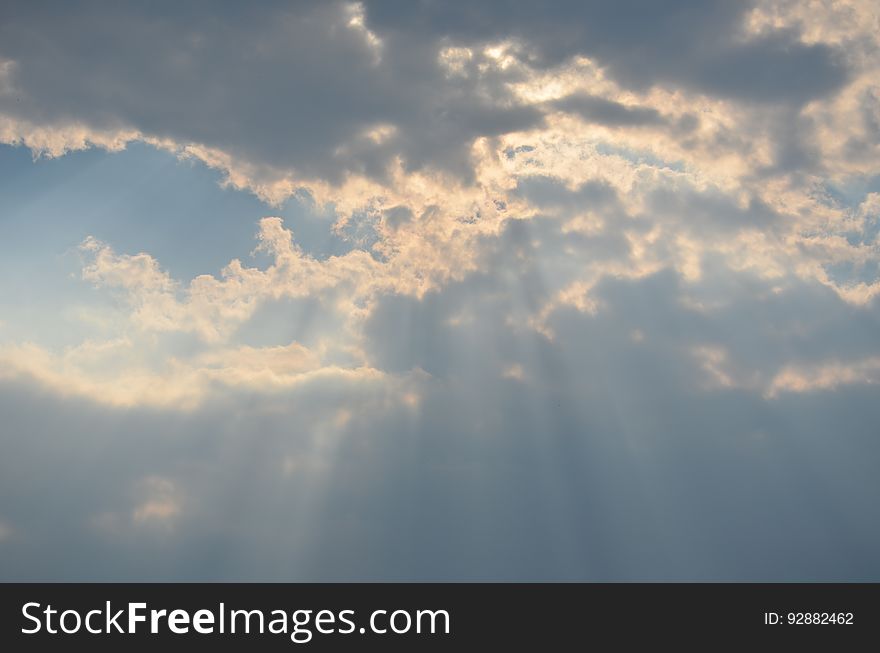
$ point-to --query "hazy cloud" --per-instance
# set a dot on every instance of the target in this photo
(568, 290)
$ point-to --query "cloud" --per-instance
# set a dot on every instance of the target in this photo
(593, 456)
(702, 45)
(825, 376)
(315, 87)
(160, 503)
(602, 302)
(609, 112)
(323, 93)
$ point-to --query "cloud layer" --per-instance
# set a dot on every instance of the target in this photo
(571, 291)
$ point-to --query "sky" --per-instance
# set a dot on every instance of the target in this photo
(431, 291)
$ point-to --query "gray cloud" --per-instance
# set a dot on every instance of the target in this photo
(712, 213)
(690, 42)
(546, 192)
(609, 459)
(608, 112)
(279, 85)
(485, 429)
(296, 86)
(773, 68)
